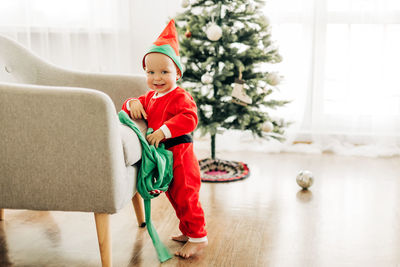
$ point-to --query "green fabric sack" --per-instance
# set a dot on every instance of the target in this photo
(155, 173)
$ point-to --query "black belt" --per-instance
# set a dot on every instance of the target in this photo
(186, 138)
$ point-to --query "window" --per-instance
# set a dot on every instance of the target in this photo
(340, 59)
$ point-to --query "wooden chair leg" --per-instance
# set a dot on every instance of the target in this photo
(104, 237)
(138, 206)
(1, 214)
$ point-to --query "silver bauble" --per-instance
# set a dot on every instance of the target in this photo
(214, 32)
(305, 179)
(267, 127)
(273, 78)
(206, 78)
(185, 3)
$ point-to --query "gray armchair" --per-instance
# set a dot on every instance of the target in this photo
(61, 144)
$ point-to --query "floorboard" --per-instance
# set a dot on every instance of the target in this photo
(349, 217)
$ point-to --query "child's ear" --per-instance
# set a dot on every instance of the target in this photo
(178, 72)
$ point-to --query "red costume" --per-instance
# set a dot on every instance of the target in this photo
(177, 110)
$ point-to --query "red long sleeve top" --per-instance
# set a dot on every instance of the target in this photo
(176, 109)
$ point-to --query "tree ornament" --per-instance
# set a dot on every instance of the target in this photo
(305, 179)
(267, 20)
(251, 7)
(268, 127)
(214, 32)
(188, 34)
(273, 78)
(185, 3)
(239, 96)
(207, 78)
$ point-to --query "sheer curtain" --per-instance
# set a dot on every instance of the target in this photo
(340, 60)
(88, 35)
(340, 63)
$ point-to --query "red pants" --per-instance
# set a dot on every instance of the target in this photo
(183, 192)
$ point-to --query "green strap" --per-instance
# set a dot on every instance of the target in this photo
(155, 173)
(162, 251)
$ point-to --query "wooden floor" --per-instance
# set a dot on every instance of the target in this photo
(350, 217)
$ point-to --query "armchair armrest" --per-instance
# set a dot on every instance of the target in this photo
(60, 149)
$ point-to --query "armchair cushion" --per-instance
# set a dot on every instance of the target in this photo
(130, 142)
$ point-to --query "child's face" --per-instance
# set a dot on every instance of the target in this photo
(161, 72)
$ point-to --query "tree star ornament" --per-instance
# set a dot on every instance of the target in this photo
(305, 179)
(214, 32)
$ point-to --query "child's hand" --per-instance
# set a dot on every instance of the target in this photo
(137, 110)
(155, 138)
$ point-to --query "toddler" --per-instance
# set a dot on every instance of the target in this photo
(172, 113)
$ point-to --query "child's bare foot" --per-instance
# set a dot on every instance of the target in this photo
(191, 248)
(180, 238)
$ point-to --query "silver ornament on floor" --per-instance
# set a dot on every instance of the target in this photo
(305, 179)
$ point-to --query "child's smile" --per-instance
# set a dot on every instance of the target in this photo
(159, 86)
(161, 72)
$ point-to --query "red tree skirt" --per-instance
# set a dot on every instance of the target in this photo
(218, 170)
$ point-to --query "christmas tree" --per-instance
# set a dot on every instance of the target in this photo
(225, 47)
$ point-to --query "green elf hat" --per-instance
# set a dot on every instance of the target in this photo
(167, 43)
